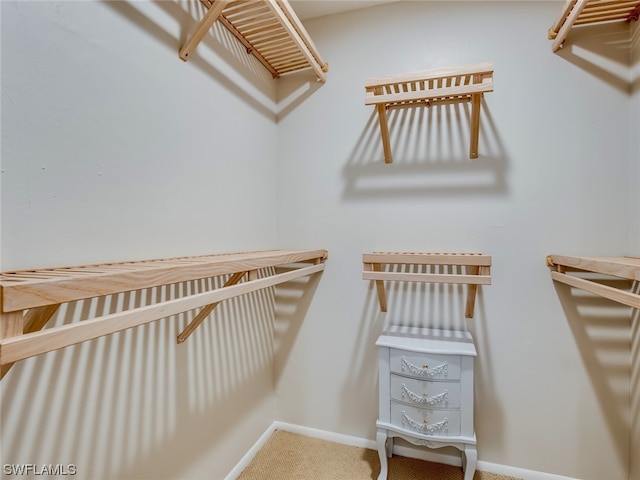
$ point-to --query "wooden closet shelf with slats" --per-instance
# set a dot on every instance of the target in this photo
(447, 85)
(269, 29)
(472, 269)
(621, 267)
(577, 13)
(31, 297)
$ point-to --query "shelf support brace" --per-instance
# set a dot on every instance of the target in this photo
(207, 309)
(471, 293)
(473, 289)
(203, 27)
(476, 100)
(382, 296)
(33, 321)
(384, 133)
(11, 325)
(384, 130)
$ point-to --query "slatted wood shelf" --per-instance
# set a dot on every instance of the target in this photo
(269, 29)
(31, 297)
(563, 266)
(441, 268)
(577, 13)
(426, 88)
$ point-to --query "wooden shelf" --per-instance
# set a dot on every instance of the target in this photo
(31, 297)
(590, 12)
(437, 268)
(456, 84)
(622, 267)
(269, 29)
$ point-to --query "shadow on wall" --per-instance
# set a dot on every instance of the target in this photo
(293, 90)
(430, 148)
(292, 303)
(601, 331)
(362, 379)
(218, 40)
(487, 399)
(603, 51)
(135, 404)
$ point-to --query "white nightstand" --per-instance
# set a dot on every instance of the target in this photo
(426, 392)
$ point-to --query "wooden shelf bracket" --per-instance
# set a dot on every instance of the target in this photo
(426, 88)
(621, 267)
(577, 13)
(31, 298)
(437, 268)
(270, 30)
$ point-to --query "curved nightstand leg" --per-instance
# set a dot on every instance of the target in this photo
(389, 446)
(382, 453)
(469, 463)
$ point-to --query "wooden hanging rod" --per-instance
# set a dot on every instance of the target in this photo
(591, 12)
(269, 30)
(621, 267)
(31, 297)
(477, 269)
(454, 84)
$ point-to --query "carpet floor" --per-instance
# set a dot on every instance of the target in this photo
(288, 456)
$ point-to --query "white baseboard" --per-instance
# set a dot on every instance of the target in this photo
(422, 454)
(518, 472)
(246, 459)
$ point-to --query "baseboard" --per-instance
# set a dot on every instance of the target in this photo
(422, 454)
(246, 459)
(516, 472)
(325, 435)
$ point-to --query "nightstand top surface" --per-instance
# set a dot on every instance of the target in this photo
(427, 340)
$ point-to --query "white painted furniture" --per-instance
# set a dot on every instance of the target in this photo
(426, 392)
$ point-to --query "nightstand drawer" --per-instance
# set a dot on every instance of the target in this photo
(425, 365)
(425, 394)
(425, 421)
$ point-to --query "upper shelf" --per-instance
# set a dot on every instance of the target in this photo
(438, 268)
(269, 29)
(31, 297)
(589, 12)
(455, 84)
(621, 267)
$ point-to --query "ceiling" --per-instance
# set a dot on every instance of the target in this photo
(306, 9)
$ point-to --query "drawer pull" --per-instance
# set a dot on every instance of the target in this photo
(425, 399)
(425, 372)
(425, 427)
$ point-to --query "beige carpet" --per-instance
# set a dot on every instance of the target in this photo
(287, 456)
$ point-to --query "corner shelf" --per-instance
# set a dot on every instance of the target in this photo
(442, 269)
(31, 297)
(590, 12)
(621, 267)
(455, 84)
(269, 29)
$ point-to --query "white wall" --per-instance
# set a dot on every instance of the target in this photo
(552, 387)
(114, 149)
(634, 249)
